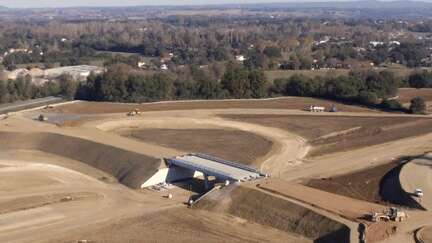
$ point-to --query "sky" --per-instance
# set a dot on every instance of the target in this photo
(74, 3)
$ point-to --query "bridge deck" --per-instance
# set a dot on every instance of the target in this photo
(215, 167)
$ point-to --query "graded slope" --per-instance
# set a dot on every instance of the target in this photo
(229, 144)
(262, 208)
(130, 168)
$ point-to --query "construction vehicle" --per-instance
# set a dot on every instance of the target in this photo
(392, 214)
(42, 118)
(135, 112)
(397, 215)
(314, 108)
(333, 109)
(418, 192)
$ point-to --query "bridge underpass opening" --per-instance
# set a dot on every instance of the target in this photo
(200, 165)
(209, 166)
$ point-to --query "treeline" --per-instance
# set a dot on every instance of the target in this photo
(23, 89)
(367, 88)
(121, 84)
(420, 79)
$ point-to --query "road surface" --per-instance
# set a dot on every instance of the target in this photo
(27, 104)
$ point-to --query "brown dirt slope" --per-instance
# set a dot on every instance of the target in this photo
(260, 207)
(363, 185)
(298, 103)
(131, 169)
(346, 207)
(233, 145)
(425, 235)
(183, 225)
(368, 130)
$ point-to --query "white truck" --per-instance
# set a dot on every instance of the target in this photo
(314, 108)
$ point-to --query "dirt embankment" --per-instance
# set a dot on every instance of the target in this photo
(391, 190)
(234, 145)
(363, 185)
(297, 103)
(130, 168)
(378, 184)
(256, 206)
(424, 235)
(346, 132)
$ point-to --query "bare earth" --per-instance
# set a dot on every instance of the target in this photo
(298, 103)
(228, 144)
(184, 225)
(406, 94)
(342, 133)
(362, 185)
(68, 190)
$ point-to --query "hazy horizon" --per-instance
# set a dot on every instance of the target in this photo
(116, 3)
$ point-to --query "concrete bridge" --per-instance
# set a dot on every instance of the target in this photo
(195, 165)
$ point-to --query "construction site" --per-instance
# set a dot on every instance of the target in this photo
(285, 169)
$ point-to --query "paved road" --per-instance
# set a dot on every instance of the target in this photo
(27, 104)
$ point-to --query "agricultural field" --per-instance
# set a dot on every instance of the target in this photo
(406, 94)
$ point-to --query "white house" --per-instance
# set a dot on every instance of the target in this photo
(141, 64)
(376, 43)
(240, 58)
